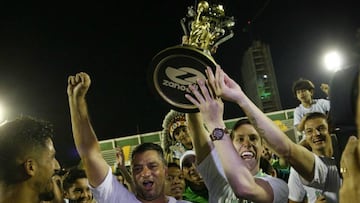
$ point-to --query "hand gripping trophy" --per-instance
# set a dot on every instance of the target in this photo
(174, 68)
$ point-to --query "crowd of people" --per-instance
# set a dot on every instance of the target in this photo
(199, 159)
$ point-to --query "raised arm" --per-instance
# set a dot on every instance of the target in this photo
(199, 136)
(325, 88)
(84, 136)
(238, 175)
(299, 157)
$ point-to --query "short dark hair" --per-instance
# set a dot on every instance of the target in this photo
(173, 164)
(19, 138)
(146, 147)
(314, 115)
(302, 84)
(71, 177)
(239, 123)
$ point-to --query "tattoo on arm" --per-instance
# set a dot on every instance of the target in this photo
(256, 126)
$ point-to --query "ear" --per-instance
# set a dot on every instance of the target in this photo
(30, 167)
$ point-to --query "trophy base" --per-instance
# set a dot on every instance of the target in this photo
(173, 69)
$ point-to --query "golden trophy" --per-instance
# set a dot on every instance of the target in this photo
(173, 69)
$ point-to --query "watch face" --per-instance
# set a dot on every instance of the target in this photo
(217, 134)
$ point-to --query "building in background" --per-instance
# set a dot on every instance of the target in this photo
(258, 77)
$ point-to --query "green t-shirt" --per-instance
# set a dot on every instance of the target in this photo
(196, 197)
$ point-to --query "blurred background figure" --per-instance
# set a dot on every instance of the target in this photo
(303, 91)
(280, 165)
(196, 190)
(267, 168)
(76, 187)
(175, 138)
(175, 181)
(121, 171)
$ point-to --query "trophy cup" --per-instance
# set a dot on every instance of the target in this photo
(173, 69)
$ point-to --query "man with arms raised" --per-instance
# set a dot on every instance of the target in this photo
(237, 155)
(316, 171)
(148, 165)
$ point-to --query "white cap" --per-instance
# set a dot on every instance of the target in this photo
(185, 155)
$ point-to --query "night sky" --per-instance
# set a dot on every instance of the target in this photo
(41, 44)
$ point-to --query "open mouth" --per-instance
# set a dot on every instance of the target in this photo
(148, 184)
(247, 155)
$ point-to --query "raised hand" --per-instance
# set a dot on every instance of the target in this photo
(350, 163)
(349, 168)
(325, 88)
(78, 84)
(210, 106)
(223, 85)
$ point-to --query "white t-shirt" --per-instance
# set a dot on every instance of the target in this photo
(298, 191)
(112, 191)
(326, 181)
(319, 105)
(220, 190)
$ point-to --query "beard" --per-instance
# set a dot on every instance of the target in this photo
(47, 196)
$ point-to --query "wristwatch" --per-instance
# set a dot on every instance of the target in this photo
(218, 133)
